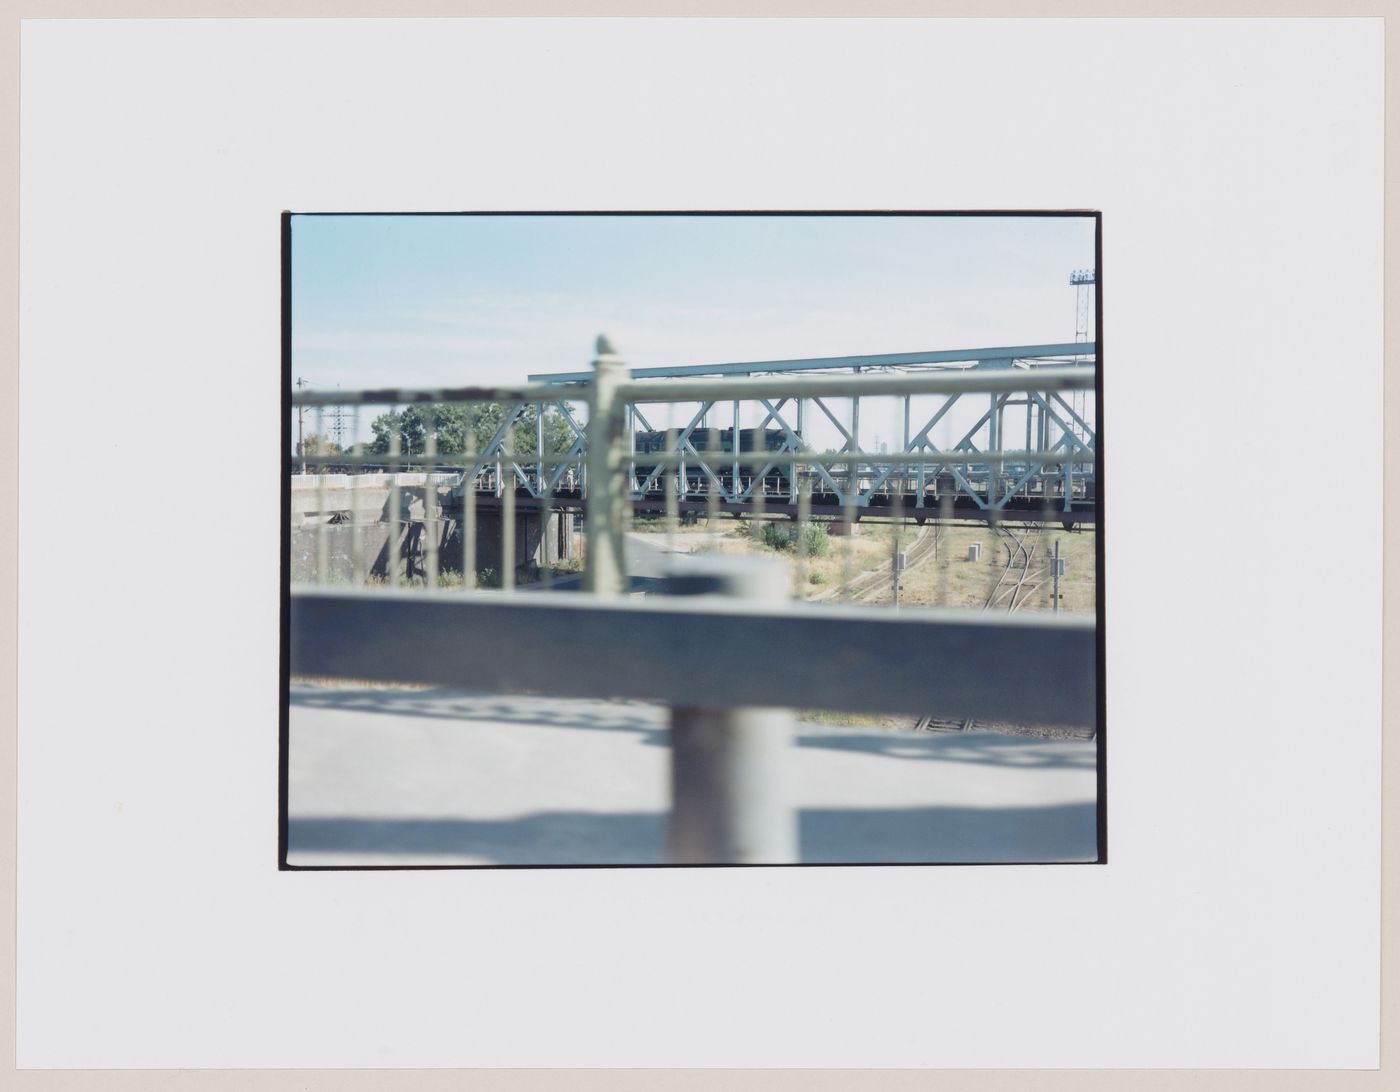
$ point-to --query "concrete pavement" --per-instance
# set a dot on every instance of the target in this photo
(407, 777)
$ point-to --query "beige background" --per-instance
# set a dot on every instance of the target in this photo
(306, 1079)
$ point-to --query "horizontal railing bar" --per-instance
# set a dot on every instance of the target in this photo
(447, 464)
(874, 360)
(782, 459)
(726, 458)
(858, 386)
(391, 396)
(705, 652)
(967, 381)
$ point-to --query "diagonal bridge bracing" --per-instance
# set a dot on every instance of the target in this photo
(715, 458)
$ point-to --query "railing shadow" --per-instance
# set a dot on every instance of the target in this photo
(981, 748)
(915, 835)
(650, 725)
(438, 704)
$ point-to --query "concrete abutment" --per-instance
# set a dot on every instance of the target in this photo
(355, 521)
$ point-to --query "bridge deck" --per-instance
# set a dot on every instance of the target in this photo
(1015, 510)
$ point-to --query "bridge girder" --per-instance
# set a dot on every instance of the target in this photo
(867, 479)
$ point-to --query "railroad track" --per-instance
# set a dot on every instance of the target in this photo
(869, 585)
(878, 582)
(1020, 553)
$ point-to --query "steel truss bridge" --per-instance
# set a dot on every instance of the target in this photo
(1030, 454)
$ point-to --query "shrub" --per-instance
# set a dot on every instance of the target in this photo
(775, 536)
(780, 536)
(816, 578)
(818, 541)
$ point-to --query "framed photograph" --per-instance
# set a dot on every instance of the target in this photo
(802, 566)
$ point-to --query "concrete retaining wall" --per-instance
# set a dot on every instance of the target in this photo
(365, 548)
(317, 496)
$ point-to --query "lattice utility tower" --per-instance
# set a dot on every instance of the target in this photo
(337, 427)
(1083, 281)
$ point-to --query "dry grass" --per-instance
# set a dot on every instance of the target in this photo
(870, 548)
(948, 579)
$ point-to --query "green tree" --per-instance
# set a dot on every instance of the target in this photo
(313, 445)
(408, 425)
(316, 444)
(451, 424)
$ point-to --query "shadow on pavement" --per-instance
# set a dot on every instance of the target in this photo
(981, 748)
(922, 835)
(456, 705)
(649, 722)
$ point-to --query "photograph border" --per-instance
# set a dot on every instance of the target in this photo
(285, 593)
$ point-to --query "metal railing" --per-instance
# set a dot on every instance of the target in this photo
(714, 660)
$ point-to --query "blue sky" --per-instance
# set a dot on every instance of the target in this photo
(438, 300)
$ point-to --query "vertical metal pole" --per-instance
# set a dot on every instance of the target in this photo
(549, 519)
(855, 441)
(895, 573)
(539, 451)
(993, 444)
(322, 518)
(607, 502)
(729, 797)
(430, 503)
(904, 446)
(507, 487)
(672, 494)
(757, 510)
(792, 474)
(1057, 576)
(469, 510)
(712, 446)
(631, 447)
(945, 513)
(800, 403)
(357, 576)
(301, 443)
(897, 508)
(735, 491)
(804, 521)
(395, 443)
(848, 545)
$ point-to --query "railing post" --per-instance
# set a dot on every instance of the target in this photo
(729, 802)
(607, 501)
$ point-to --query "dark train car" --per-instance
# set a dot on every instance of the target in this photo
(750, 439)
